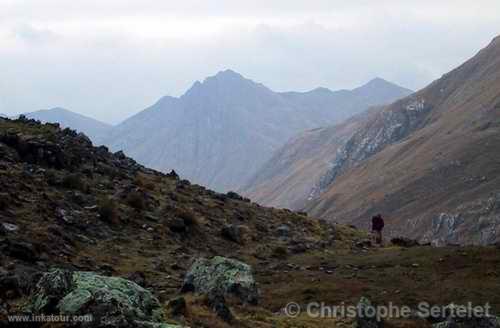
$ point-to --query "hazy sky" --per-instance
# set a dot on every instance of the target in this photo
(111, 58)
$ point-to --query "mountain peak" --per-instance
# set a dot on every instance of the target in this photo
(223, 80)
(379, 83)
(228, 73)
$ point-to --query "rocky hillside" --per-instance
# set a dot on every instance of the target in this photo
(288, 178)
(428, 162)
(223, 129)
(95, 129)
(67, 204)
(88, 233)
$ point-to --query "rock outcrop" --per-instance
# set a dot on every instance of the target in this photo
(111, 301)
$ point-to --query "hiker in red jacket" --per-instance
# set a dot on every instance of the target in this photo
(377, 227)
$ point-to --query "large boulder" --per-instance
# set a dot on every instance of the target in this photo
(111, 301)
(222, 276)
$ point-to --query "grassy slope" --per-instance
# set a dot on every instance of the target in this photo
(139, 239)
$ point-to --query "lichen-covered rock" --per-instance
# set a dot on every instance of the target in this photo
(112, 301)
(222, 276)
(487, 321)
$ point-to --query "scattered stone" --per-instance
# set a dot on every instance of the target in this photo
(486, 321)
(9, 227)
(62, 215)
(236, 233)
(233, 195)
(298, 248)
(222, 276)
(283, 231)
(365, 243)
(404, 242)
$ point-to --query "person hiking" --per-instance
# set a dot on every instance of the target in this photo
(377, 227)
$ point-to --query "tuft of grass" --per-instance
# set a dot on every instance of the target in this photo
(144, 182)
(280, 252)
(187, 215)
(75, 181)
(108, 211)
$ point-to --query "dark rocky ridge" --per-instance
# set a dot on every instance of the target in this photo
(67, 204)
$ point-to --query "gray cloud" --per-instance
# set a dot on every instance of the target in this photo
(111, 59)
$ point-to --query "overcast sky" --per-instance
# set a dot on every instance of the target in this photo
(111, 58)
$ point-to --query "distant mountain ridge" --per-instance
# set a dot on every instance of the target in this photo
(93, 128)
(223, 129)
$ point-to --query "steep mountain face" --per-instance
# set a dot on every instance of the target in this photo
(429, 162)
(290, 176)
(222, 130)
(95, 129)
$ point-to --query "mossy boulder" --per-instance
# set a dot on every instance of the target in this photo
(111, 301)
(222, 276)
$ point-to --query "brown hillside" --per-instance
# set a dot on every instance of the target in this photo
(430, 162)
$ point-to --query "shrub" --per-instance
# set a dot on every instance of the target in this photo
(4, 201)
(144, 182)
(280, 252)
(233, 195)
(187, 215)
(136, 200)
(74, 181)
(107, 210)
(51, 177)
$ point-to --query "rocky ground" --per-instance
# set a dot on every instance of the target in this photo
(135, 248)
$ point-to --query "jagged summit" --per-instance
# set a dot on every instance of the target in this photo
(224, 82)
(228, 74)
(222, 129)
(378, 83)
